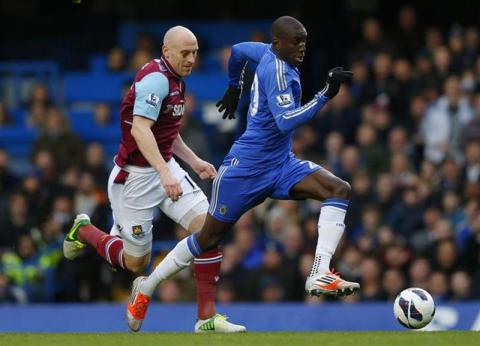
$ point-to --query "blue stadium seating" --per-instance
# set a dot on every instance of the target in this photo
(91, 87)
(212, 34)
(17, 140)
(100, 85)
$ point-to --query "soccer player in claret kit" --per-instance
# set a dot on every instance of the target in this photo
(146, 176)
(260, 163)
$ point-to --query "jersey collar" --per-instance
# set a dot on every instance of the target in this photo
(276, 56)
(169, 67)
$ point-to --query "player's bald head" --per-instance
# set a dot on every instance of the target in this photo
(180, 48)
(286, 26)
(179, 35)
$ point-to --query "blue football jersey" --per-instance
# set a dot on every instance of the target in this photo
(275, 106)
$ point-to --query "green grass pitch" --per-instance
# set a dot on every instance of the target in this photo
(406, 338)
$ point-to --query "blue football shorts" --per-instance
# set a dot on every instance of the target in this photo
(238, 188)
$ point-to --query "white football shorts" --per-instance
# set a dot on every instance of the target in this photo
(134, 200)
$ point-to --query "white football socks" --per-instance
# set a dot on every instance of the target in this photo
(179, 258)
(330, 230)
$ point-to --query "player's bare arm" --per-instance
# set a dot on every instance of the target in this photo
(143, 135)
(204, 169)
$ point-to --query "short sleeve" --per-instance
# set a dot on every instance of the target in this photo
(149, 94)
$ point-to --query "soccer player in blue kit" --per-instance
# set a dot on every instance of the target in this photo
(260, 163)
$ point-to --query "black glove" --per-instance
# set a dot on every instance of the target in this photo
(336, 76)
(229, 102)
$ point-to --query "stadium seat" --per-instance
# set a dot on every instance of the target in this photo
(89, 87)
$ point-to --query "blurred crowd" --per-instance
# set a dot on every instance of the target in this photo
(405, 133)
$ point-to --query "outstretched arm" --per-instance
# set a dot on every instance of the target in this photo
(282, 105)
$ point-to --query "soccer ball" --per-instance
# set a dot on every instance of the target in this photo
(414, 308)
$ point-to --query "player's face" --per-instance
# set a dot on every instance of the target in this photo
(294, 46)
(182, 57)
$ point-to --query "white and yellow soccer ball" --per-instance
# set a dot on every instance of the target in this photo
(414, 308)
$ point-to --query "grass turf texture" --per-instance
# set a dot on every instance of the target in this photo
(410, 338)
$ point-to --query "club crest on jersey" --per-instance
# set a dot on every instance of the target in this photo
(137, 231)
(284, 100)
(153, 100)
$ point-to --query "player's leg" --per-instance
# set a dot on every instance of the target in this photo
(211, 234)
(176, 260)
(135, 257)
(228, 203)
(109, 247)
(322, 185)
(190, 212)
(133, 263)
(206, 269)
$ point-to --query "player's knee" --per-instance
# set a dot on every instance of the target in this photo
(342, 189)
(137, 265)
(210, 240)
(194, 219)
(137, 268)
(209, 243)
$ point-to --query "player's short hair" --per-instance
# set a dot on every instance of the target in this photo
(284, 26)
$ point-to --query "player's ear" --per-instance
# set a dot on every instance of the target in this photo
(276, 42)
(165, 51)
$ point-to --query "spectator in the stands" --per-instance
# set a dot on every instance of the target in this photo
(419, 272)
(145, 42)
(95, 163)
(145, 50)
(168, 292)
(102, 115)
(406, 36)
(371, 43)
(393, 282)
(117, 60)
(8, 293)
(7, 178)
(36, 115)
(37, 196)
(139, 58)
(15, 222)
(37, 105)
(371, 152)
(56, 137)
(447, 116)
(47, 173)
(370, 277)
(5, 118)
(472, 41)
(461, 286)
(438, 286)
(87, 197)
(39, 94)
